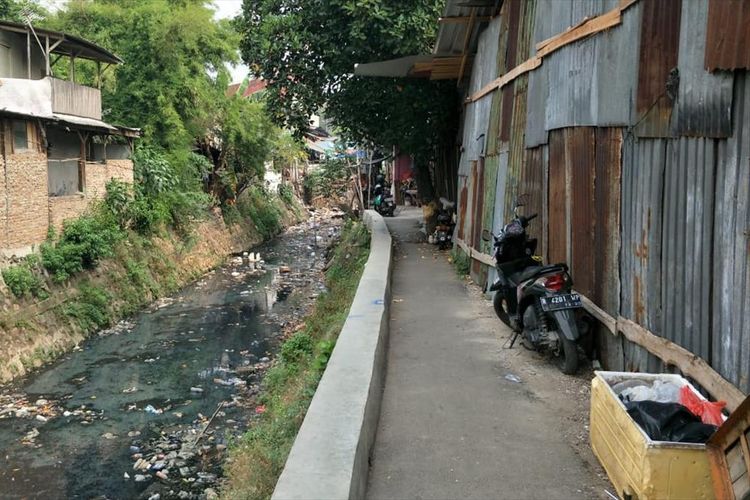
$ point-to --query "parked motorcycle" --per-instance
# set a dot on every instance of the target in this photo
(443, 235)
(535, 300)
(384, 203)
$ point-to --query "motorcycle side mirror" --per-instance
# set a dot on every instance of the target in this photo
(486, 235)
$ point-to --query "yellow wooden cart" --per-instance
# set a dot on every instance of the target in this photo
(638, 466)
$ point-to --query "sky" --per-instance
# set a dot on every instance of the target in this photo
(224, 9)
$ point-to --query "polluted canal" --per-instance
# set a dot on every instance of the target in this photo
(147, 408)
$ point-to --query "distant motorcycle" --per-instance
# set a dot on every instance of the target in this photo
(443, 235)
(384, 203)
(535, 300)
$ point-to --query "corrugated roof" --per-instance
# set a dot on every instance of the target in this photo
(82, 122)
(451, 35)
(253, 87)
(68, 44)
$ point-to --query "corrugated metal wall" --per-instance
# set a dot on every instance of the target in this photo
(657, 85)
(704, 100)
(687, 231)
(731, 246)
(589, 82)
(474, 132)
(728, 34)
(637, 159)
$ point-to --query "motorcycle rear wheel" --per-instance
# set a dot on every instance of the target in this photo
(497, 304)
(567, 359)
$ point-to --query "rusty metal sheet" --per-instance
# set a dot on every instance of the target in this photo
(493, 130)
(463, 202)
(728, 35)
(479, 270)
(517, 151)
(687, 229)
(591, 181)
(491, 164)
(581, 155)
(607, 212)
(642, 194)
(531, 184)
(498, 209)
(557, 250)
(731, 247)
(511, 59)
(660, 36)
(704, 100)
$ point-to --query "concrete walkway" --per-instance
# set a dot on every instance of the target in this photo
(451, 424)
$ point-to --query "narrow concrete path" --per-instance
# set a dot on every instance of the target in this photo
(451, 424)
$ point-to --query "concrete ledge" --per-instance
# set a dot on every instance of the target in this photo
(330, 456)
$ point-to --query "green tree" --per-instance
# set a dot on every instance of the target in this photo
(240, 139)
(307, 49)
(174, 69)
(21, 10)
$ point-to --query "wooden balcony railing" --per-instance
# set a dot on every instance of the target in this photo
(73, 99)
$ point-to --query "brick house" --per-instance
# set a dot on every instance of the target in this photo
(57, 153)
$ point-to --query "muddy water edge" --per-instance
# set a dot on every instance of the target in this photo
(146, 409)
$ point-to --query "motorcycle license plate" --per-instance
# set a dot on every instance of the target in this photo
(558, 302)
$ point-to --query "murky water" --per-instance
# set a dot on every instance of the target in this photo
(174, 365)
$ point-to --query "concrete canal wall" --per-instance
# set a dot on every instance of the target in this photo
(329, 458)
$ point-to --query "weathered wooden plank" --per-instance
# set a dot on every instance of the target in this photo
(462, 19)
(719, 446)
(525, 67)
(475, 254)
(588, 28)
(608, 321)
(684, 360)
(544, 43)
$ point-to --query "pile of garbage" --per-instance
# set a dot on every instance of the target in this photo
(182, 462)
(669, 411)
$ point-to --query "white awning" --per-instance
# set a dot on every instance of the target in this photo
(400, 67)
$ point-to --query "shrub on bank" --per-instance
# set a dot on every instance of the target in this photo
(82, 244)
(22, 280)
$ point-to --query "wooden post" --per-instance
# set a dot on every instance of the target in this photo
(82, 162)
(28, 54)
(73, 68)
(46, 56)
(369, 180)
(98, 74)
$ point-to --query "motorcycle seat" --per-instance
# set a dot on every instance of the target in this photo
(532, 271)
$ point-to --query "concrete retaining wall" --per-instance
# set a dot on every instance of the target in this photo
(329, 458)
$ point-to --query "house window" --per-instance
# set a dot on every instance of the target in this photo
(20, 136)
(65, 166)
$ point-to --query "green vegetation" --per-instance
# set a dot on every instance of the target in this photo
(288, 387)
(316, 44)
(90, 308)
(83, 243)
(329, 178)
(461, 262)
(173, 85)
(22, 280)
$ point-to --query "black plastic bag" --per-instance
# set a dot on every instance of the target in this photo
(669, 422)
